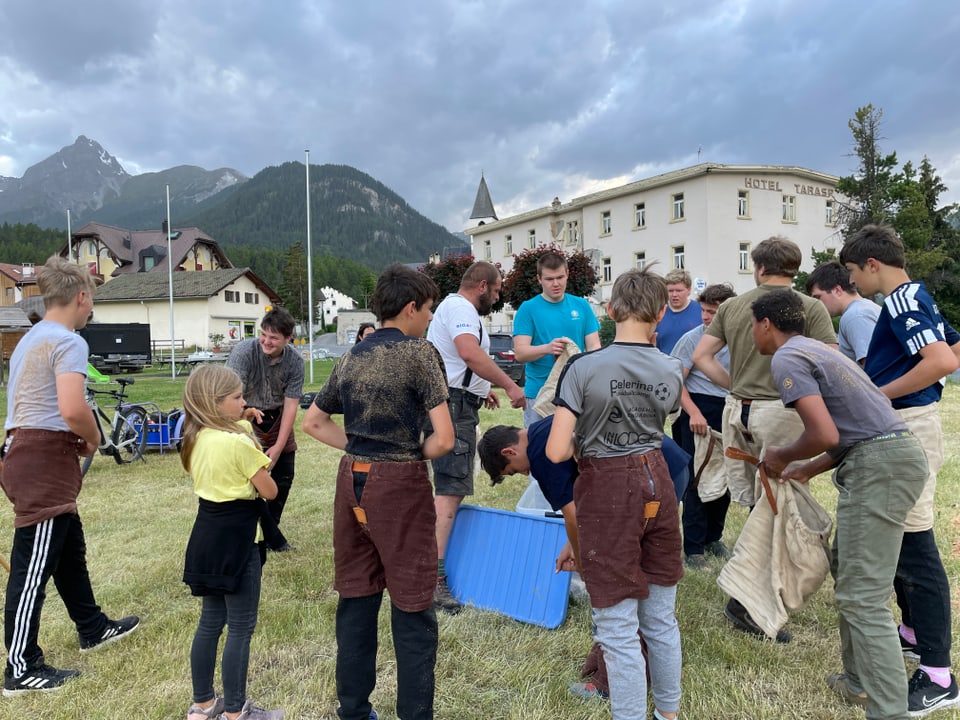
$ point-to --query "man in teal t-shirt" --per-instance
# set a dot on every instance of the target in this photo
(543, 321)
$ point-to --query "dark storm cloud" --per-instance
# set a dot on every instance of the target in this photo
(546, 99)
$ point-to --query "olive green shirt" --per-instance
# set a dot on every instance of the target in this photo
(750, 376)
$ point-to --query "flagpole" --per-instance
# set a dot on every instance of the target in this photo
(173, 365)
(309, 276)
(70, 242)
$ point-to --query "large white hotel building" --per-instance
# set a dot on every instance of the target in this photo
(704, 218)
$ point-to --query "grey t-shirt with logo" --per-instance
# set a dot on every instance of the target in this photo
(621, 395)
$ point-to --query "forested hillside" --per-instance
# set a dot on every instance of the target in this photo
(29, 243)
(352, 216)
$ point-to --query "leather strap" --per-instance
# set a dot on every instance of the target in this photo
(738, 454)
(706, 459)
(468, 375)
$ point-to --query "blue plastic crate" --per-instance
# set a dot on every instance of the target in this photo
(504, 561)
(166, 434)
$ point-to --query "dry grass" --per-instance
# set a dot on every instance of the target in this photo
(137, 521)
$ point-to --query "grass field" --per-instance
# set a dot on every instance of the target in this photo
(137, 520)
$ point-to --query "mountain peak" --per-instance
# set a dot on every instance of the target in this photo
(79, 177)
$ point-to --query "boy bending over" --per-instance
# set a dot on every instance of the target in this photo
(881, 469)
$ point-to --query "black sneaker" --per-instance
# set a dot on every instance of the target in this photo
(115, 630)
(41, 679)
(718, 549)
(924, 695)
(737, 614)
(444, 599)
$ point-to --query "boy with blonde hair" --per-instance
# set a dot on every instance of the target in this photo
(682, 314)
(49, 425)
(611, 407)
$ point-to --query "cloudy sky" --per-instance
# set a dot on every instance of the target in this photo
(546, 99)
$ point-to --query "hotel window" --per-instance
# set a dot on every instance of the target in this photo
(640, 260)
(508, 245)
(251, 298)
(679, 258)
(231, 296)
(531, 239)
(677, 201)
(639, 216)
(789, 208)
(743, 203)
(829, 216)
(606, 269)
(744, 257)
(573, 232)
(486, 250)
(605, 223)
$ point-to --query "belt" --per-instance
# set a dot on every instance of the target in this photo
(887, 436)
(473, 398)
(361, 467)
(742, 401)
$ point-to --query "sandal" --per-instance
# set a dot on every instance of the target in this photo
(198, 713)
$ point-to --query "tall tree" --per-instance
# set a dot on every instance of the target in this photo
(908, 200)
(294, 284)
(871, 190)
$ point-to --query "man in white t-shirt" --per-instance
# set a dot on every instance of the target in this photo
(458, 334)
(830, 284)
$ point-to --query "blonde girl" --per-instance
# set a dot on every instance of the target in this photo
(224, 554)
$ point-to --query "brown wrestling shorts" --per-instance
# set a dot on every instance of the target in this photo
(396, 547)
(626, 540)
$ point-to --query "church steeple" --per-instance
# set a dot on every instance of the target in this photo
(483, 205)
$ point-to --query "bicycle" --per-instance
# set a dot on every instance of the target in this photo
(127, 437)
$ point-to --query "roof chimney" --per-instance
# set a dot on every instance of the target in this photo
(165, 227)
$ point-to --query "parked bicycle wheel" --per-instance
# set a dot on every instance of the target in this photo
(130, 434)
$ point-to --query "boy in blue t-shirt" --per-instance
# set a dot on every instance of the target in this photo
(909, 358)
(542, 323)
(611, 407)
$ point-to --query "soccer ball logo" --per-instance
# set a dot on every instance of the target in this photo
(661, 392)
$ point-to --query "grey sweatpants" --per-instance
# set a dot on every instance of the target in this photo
(615, 628)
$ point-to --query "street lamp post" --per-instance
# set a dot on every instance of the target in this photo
(309, 276)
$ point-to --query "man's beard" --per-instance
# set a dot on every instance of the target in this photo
(485, 303)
